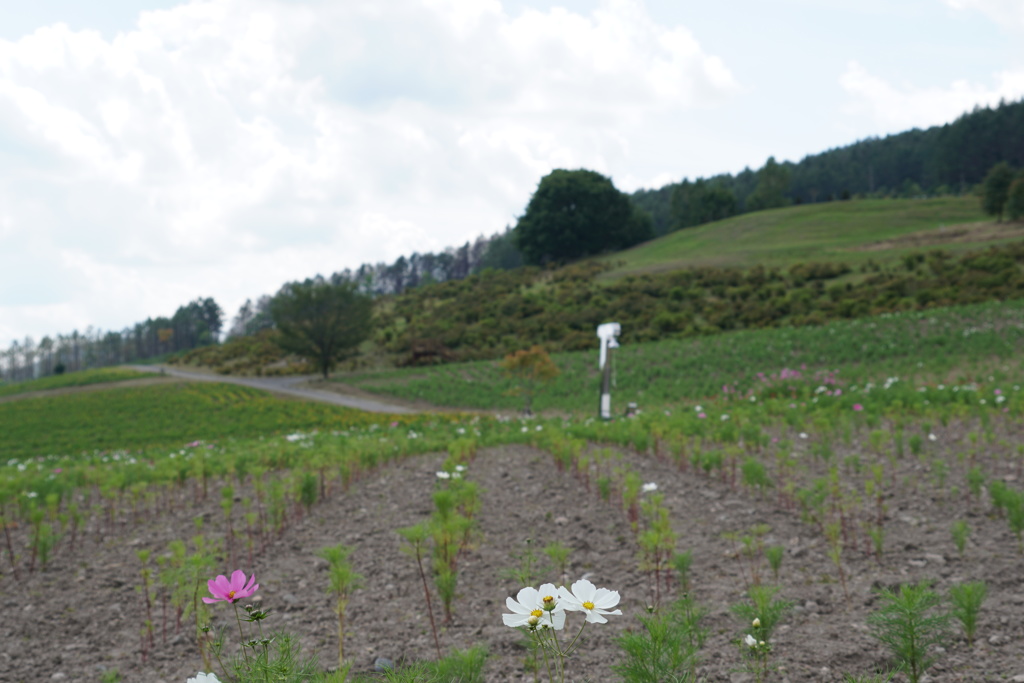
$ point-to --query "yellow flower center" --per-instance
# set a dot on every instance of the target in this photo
(537, 613)
(588, 605)
(231, 594)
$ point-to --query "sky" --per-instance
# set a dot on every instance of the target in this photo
(155, 151)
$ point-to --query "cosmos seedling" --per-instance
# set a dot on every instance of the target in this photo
(343, 581)
(961, 531)
(416, 545)
(967, 599)
(911, 623)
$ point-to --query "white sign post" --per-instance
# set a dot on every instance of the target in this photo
(607, 333)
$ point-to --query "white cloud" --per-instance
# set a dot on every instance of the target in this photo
(899, 107)
(224, 146)
(1008, 14)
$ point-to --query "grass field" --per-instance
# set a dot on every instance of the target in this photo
(833, 231)
(158, 416)
(938, 345)
(71, 379)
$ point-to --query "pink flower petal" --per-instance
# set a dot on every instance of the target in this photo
(237, 580)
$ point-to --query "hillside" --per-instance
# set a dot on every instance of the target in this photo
(851, 232)
(941, 160)
(802, 265)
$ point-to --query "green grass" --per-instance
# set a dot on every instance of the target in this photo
(72, 379)
(936, 345)
(159, 415)
(832, 231)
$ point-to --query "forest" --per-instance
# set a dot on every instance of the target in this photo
(949, 159)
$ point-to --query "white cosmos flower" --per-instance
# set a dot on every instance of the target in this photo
(595, 602)
(647, 488)
(204, 678)
(536, 608)
(443, 475)
(749, 640)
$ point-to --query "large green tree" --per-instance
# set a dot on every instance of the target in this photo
(772, 189)
(578, 213)
(320, 321)
(1015, 199)
(701, 202)
(995, 189)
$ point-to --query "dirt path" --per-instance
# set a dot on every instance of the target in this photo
(298, 386)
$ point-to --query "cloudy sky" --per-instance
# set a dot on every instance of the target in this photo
(155, 151)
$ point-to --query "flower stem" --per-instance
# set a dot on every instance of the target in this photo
(544, 649)
(572, 646)
(241, 635)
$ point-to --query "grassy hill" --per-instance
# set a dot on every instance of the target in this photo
(74, 379)
(963, 344)
(801, 265)
(851, 232)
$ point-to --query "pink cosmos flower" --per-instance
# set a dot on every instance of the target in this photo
(237, 588)
(858, 407)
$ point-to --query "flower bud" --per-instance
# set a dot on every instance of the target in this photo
(756, 623)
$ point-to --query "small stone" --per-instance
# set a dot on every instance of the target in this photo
(382, 664)
(59, 676)
(917, 563)
(998, 639)
(811, 606)
(561, 520)
(935, 558)
(1019, 678)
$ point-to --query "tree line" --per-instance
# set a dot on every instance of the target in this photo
(941, 160)
(194, 324)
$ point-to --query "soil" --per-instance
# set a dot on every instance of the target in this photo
(82, 615)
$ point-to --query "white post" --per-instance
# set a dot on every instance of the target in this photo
(607, 333)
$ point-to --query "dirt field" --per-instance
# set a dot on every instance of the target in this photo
(83, 614)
